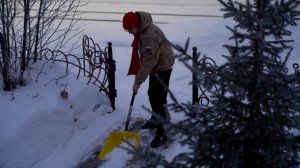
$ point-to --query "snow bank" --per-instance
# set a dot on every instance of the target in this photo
(51, 123)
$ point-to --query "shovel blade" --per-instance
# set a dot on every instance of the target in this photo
(115, 138)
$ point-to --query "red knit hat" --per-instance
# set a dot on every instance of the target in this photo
(130, 21)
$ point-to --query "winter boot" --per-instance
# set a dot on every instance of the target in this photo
(158, 141)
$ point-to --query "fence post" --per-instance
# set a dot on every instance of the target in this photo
(195, 85)
(84, 51)
(112, 93)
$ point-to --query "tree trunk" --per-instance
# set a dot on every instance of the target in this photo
(8, 84)
(37, 31)
(23, 56)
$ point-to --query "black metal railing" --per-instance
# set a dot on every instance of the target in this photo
(97, 58)
(97, 65)
(203, 98)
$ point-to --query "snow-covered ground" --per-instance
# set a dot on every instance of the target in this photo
(37, 126)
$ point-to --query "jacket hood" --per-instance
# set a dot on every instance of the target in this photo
(146, 20)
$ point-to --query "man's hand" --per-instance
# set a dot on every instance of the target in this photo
(135, 88)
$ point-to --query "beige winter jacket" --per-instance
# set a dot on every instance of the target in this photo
(155, 52)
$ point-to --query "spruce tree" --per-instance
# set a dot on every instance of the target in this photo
(253, 117)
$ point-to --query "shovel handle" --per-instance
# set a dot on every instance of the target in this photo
(130, 110)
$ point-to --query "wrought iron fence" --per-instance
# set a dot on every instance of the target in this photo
(97, 65)
(203, 98)
(103, 60)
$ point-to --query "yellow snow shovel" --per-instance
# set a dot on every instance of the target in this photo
(115, 138)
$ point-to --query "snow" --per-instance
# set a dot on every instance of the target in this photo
(37, 126)
(117, 157)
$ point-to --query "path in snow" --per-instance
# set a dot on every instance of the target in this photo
(146, 136)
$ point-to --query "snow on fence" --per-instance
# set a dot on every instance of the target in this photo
(96, 64)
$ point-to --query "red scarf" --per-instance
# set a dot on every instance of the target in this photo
(135, 59)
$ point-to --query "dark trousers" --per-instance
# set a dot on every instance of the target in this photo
(158, 96)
